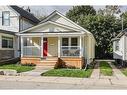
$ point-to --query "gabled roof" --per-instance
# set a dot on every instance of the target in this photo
(123, 32)
(50, 22)
(25, 14)
(58, 13)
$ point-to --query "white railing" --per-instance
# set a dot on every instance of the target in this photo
(70, 51)
(32, 51)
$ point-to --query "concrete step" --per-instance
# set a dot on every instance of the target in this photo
(49, 59)
(43, 64)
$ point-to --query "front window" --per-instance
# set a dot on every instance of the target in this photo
(74, 43)
(27, 42)
(70, 46)
(6, 18)
(117, 45)
(65, 42)
(7, 42)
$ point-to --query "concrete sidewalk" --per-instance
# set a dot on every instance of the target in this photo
(64, 80)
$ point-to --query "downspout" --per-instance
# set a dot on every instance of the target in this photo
(86, 58)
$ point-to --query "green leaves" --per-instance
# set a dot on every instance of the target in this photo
(103, 27)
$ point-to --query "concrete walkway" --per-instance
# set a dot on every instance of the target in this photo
(117, 74)
(96, 72)
(36, 72)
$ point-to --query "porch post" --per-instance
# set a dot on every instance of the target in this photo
(80, 41)
(21, 46)
(41, 47)
(59, 46)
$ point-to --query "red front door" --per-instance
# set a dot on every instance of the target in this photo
(45, 47)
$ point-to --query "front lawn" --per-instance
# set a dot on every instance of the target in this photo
(19, 68)
(69, 73)
(124, 71)
(105, 69)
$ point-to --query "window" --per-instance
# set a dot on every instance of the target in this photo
(6, 18)
(7, 42)
(74, 42)
(65, 41)
(117, 45)
(27, 42)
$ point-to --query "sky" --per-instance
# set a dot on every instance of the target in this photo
(46, 10)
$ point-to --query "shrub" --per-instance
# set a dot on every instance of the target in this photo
(59, 64)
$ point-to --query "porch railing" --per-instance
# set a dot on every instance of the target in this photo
(31, 51)
(70, 51)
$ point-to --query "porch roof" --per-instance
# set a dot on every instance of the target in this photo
(62, 33)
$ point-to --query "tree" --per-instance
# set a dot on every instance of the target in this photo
(110, 10)
(104, 27)
(77, 12)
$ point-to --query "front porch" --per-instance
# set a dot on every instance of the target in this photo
(51, 47)
(47, 50)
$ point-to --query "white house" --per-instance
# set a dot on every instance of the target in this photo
(120, 46)
(57, 37)
(13, 19)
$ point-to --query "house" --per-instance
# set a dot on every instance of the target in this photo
(13, 19)
(57, 37)
(120, 47)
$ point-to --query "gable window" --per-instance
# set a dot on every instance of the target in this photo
(117, 45)
(6, 18)
(7, 42)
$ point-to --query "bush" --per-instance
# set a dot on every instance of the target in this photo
(59, 64)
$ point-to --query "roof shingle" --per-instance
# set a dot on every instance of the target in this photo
(25, 14)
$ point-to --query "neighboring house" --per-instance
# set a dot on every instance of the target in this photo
(57, 37)
(120, 46)
(13, 19)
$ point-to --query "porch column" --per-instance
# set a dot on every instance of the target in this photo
(80, 41)
(21, 46)
(41, 47)
(59, 46)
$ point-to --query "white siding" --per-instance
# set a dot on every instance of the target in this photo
(118, 54)
(25, 24)
(62, 20)
(14, 19)
(50, 28)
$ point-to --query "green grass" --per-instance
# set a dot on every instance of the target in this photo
(105, 69)
(69, 73)
(18, 68)
(124, 71)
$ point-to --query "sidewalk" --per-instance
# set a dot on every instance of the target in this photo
(65, 80)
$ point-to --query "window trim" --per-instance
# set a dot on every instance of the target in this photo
(3, 19)
(69, 40)
(8, 43)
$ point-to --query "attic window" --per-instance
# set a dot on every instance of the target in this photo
(6, 18)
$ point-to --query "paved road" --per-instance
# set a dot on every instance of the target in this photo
(41, 85)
